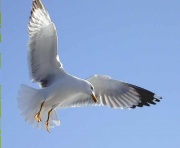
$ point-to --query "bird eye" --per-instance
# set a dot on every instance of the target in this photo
(92, 87)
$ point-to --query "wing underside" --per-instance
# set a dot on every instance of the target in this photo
(42, 54)
(117, 94)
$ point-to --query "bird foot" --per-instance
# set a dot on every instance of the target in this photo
(37, 117)
(47, 122)
(47, 126)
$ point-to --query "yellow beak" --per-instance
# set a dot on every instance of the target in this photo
(94, 98)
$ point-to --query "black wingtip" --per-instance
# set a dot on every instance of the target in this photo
(147, 97)
(36, 4)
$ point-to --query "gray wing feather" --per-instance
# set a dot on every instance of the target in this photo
(42, 54)
(117, 94)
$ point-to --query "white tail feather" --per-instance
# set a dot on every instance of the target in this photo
(29, 102)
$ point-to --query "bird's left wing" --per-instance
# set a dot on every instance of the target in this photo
(117, 94)
(114, 94)
(43, 58)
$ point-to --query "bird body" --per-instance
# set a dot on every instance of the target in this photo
(58, 89)
(67, 88)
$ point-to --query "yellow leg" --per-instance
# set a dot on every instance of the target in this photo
(37, 116)
(47, 121)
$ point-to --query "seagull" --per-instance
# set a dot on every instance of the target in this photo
(59, 89)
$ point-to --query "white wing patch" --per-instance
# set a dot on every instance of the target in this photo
(43, 58)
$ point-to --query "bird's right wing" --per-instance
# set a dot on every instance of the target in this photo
(43, 57)
(117, 94)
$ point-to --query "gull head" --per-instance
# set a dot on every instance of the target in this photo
(90, 91)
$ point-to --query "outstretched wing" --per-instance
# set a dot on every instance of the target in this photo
(117, 94)
(43, 58)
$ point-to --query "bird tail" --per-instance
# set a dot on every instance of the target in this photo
(29, 102)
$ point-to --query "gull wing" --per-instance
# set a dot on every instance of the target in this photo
(43, 57)
(117, 94)
(114, 94)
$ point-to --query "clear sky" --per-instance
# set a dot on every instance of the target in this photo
(136, 41)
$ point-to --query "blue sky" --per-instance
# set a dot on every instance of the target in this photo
(133, 41)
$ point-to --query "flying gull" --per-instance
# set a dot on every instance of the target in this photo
(59, 89)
